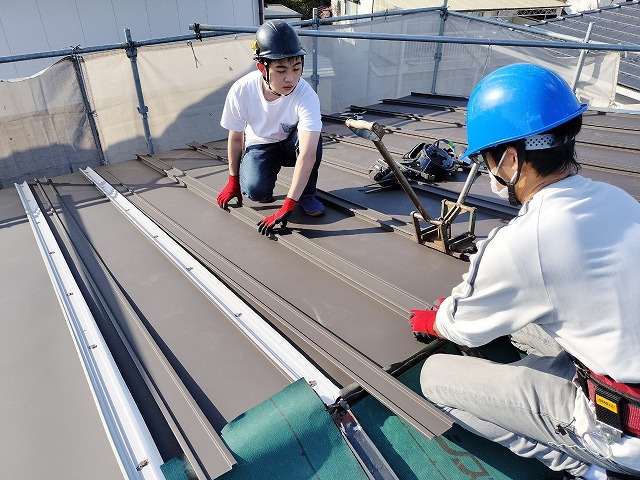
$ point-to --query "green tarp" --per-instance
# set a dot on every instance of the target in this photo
(289, 436)
(457, 454)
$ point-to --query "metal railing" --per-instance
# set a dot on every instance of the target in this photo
(202, 31)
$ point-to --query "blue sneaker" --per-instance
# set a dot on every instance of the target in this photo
(311, 205)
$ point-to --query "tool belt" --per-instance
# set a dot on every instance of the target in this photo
(617, 404)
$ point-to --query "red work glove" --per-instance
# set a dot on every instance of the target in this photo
(232, 190)
(281, 216)
(422, 325)
(422, 322)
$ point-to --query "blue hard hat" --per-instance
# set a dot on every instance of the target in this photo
(517, 101)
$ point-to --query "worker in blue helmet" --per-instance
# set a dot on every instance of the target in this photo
(274, 121)
(560, 280)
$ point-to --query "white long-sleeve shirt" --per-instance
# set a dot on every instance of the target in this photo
(569, 262)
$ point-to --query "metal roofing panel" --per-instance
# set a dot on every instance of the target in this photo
(305, 284)
(45, 429)
(128, 433)
(347, 235)
(141, 361)
(603, 30)
(182, 331)
(191, 332)
(613, 24)
(323, 284)
(279, 268)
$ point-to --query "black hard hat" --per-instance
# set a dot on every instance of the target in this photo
(277, 39)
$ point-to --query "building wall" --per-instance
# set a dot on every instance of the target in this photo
(29, 26)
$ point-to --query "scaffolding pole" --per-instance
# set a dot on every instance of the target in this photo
(132, 53)
(444, 13)
(77, 65)
(315, 78)
(583, 54)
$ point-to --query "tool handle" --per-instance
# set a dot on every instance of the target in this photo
(467, 184)
(360, 124)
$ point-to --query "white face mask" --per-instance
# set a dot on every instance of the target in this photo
(497, 188)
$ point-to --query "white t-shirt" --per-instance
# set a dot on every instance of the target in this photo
(247, 110)
(569, 262)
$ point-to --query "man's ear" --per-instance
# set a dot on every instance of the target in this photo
(262, 68)
(511, 158)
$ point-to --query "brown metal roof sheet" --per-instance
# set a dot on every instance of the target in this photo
(338, 286)
(45, 428)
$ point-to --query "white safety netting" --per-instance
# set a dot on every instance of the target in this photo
(596, 84)
(44, 130)
(367, 71)
(184, 87)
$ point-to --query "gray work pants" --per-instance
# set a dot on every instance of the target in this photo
(526, 406)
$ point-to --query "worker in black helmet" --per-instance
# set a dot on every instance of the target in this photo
(273, 118)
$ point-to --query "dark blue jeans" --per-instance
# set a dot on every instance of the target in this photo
(261, 164)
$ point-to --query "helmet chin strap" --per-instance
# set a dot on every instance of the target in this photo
(266, 80)
(511, 186)
(513, 200)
